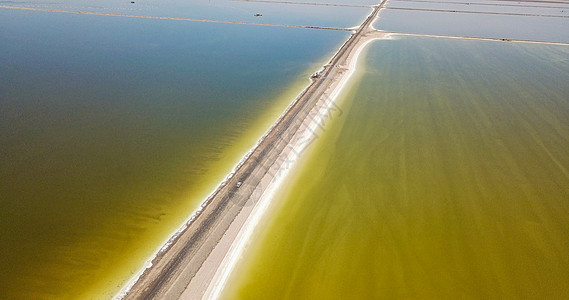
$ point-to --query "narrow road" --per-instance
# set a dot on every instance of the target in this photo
(462, 37)
(174, 269)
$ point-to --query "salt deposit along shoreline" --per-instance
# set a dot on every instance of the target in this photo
(236, 248)
(198, 258)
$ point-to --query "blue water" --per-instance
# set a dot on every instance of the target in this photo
(227, 10)
(113, 129)
(553, 9)
(475, 25)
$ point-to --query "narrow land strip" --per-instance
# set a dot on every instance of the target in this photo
(303, 3)
(480, 4)
(476, 38)
(477, 12)
(198, 252)
(200, 259)
(168, 18)
(534, 1)
(194, 257)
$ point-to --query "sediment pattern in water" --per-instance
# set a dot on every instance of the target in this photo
(113, 131)
(446, 177)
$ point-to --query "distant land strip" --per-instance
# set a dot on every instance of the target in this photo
(536, 1)
(304, 3)
(477, 12)
(474, 38)
(169, 18)
(481, 4)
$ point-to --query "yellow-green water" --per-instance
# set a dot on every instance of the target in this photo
(447, 176)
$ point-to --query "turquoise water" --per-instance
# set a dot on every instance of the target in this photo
(112, 130)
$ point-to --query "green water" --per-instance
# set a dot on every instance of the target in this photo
(447, 176)
(113, 130)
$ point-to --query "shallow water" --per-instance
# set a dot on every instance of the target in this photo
(475, 25)
(446, 176)
(487, 7)
(112, 133)
(495, 3)
(226, 10)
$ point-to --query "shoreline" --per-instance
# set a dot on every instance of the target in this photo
(267, 122)
(232, 257)
(297, 88)
(180, 259)
(174, 236)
